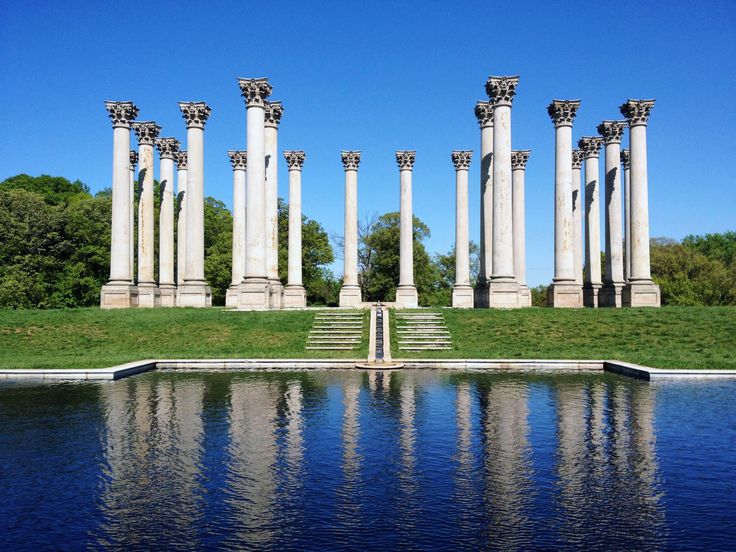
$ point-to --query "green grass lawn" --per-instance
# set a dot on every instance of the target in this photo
(669, 337)
(93, 338)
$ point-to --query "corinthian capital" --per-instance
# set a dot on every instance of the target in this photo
(350, 160)
(146, 132)
(501, 90)
(274, 112)
(461, 159)
(255, 91)
(519, 159)
(562, 112)
(484, 114)
(121, 113)
(577, 158)
(181, 159)
(167, 147)
(612, 131)
(133, 158)
(405, 159)
(626, 158)
(637, 111)
(238, 159)
(195, 113)
(590, 146)
(295, 159)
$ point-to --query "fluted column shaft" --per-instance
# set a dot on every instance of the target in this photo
(625, 160)
(614, 242)
(462, 243)
(564, 265)
(194, 267)
(166, 223)
(577, 218)
(406, 236)
(519, 160)
(181, 224)
(255, 264)
(239, 217)
(131, 213)
(590, 147)
(145, 215)
(350, 269)
(639, 187)
(484, 114)
(272, 118)
(295, 226)
(503, 245)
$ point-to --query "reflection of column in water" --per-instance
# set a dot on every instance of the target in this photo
(189, 428)
(571, 449)
(621, 429)
(408, 432)
(294, 437)
(252, 451)
(351, 432)
(507, 462)
(372, 377)
(386, 381)
(598, 430)
(643, 439)
(464, 456)
(143, 417)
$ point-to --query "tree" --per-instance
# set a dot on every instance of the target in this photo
(441, 292)
(55, 190)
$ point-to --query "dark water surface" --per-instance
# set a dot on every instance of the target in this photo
(356, 460)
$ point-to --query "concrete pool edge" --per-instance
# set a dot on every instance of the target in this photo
(495, 365)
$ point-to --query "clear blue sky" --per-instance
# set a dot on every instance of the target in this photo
(382, 76)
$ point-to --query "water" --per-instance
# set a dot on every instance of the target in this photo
(356, 460)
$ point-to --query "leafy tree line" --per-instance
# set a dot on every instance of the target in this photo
(698, 271)
(55, 245)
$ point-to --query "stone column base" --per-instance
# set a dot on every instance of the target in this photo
(118, 296)
(194, 294)
(407, 297)
(503, 294)
(462, 297)
(168, 295)
(350, 296)
(149, 296)
(590, 295)
(231, 296)
(610, 295)
(525, 296)
(254, 294)
(480, 295)
(565, 295)
(641, 293)
(276, 298)
(295, 297)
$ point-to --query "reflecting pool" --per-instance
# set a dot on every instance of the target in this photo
(319, 460)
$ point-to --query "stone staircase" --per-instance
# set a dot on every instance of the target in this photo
(336, 331)
(421, 331)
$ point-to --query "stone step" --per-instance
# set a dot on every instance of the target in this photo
(336, 332)
(425, 348)
(337, 326)
(413, 342)
(334, 338)
(338, 317)
(330, 348)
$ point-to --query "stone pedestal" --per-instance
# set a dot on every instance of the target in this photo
(192, 294)
(503, 294)
(118, 296)
(168, 295)
(407, 297)
(149, 295)
(610, 295)
(350, 296)
(254, 294)
(295, 297)
(590, 294)
(565, 295)
(641, 294)
(462, 297)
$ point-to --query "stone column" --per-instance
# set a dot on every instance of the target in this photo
(518, 168)
(350, 295)
(640, 291)
(148, 292)
(167, 150)
(295, 296)
(577, 216)
(590, 147)
(613, 281)
(255, 291)
(119, 291)
(239, 162)
(626, 162)
(406, 293)
(272, 117)
(484, 114)
(181, 213)
(133, 163)
(462, 291)
(195, 292)
(503, 289)
(564, 291)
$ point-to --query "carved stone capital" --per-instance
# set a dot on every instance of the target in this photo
(295, 159)
(626, 158)
(181, 159)
(146, 132)
(133, 158)
(121, 113)
(590, 146)
(577, 158)
(501, 90)
(274, 112)
(255, 92)
(350, 160)
(461, 159)
(195, 113)
(484, 114)
(405, 159)
(563, 112)
(167, 147)
(238, 159)
(612, 131)
(519, 159)
(637, 111)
